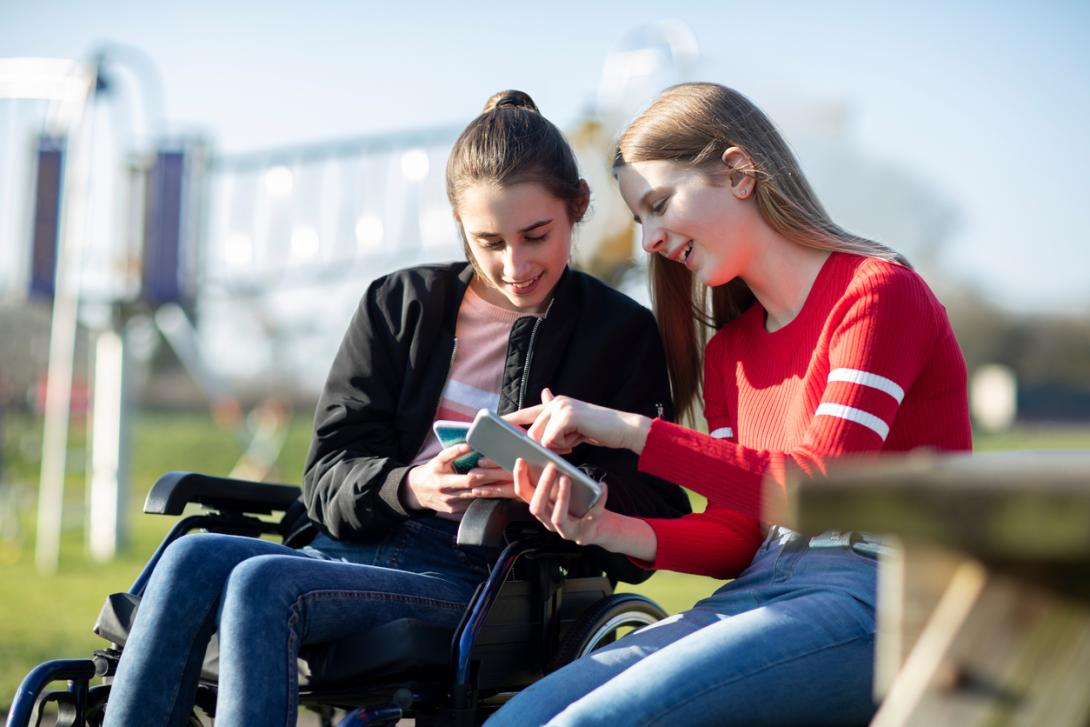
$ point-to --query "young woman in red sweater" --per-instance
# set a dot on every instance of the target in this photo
(826, 345)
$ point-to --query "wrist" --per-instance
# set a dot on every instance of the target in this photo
(626, 535)
(637, 427)
(406, 494)
(607, 534)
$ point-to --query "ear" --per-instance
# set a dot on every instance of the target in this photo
(739, 167)
(584, 200)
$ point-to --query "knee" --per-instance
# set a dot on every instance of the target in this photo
(258, 581)
(187, 553)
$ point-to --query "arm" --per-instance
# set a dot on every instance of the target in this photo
(717, 543)
(353, 471)
(880, 341)
(358, 481)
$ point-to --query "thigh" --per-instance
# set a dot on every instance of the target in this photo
(425, 545)
(191, 573)
(322, 600)
(796, 661)
(541, 701)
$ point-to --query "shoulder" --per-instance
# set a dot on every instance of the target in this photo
(888, 289)
(872, 275)
(421, 278)
(885, 301)
(406, 299)
(420, 284)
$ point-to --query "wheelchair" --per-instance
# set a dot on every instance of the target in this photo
(541, 606)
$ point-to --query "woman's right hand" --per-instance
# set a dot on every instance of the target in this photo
(562, 423)
(435, 485)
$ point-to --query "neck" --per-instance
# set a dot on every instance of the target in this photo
(781, 277)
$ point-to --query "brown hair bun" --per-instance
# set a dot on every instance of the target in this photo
(511, 98)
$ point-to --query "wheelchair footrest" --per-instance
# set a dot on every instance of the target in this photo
(115, 618)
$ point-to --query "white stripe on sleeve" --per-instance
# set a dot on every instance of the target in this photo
(722, 433)
(864, 378)
(858, 416)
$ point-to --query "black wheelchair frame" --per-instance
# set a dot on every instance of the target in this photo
(540, 607)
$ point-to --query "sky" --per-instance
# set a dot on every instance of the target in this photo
(983, 103)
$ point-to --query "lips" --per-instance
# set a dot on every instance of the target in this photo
(524, 287)
(681, 253)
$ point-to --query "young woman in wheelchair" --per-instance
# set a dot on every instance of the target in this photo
(825, 345)
(426, 343)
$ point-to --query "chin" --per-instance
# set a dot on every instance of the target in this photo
(715, 278)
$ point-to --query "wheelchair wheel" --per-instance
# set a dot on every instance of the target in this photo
(603, 623)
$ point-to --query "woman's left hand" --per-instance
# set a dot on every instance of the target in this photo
(549, 502)
(562, 423)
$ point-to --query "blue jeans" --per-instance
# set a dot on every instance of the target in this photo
(266, 600)
(789, 642)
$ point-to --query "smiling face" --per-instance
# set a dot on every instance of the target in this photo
(691, 218)
(520, 240)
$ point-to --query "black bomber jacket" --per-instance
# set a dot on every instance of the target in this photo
(384, 386)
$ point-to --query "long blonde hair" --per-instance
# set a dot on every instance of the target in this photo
(693, 124)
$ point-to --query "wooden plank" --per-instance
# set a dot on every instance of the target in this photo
(997, 651)
(912, 578)
(1020, 506)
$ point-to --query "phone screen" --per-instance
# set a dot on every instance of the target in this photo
(503, 443)
(450, 433)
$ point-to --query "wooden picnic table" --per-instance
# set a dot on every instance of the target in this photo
(984, 602)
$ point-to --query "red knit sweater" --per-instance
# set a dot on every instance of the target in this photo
(870, 364)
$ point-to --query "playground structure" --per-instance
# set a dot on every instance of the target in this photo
(248, 266)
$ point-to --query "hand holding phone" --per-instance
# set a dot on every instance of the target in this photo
(503, 443)
(449, 433)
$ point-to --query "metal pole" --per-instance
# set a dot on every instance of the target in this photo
(108, 481)
(62, 340)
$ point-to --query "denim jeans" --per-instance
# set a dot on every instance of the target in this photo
(789, 642)
(266, 600)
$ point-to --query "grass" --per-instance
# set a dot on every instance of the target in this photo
(50, 616)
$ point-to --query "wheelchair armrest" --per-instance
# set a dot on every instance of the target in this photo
(485, 521)
(171, 492)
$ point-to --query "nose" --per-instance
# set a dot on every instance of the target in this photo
(516, 262)
(652, 237)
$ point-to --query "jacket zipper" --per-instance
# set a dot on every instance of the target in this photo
(530, 354)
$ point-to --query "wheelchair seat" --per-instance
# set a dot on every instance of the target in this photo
(536, 611)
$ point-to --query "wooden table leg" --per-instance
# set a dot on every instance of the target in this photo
(998, 650)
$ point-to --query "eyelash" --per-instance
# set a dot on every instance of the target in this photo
(497, 244)
(659, 206)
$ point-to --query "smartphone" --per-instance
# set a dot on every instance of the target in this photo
(503, 443)
(449, 433)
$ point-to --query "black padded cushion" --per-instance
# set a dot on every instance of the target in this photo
(404, 646)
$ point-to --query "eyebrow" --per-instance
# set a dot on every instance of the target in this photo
(534, 226)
